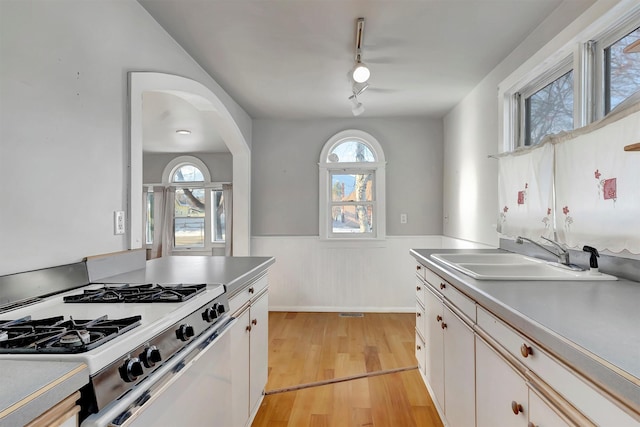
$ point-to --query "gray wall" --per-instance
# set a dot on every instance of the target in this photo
(220, 165)
(285, 157)
(64, 123)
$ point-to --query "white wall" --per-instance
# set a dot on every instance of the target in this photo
(311, 275)
(285, 157)
(471, 134)
(64, 123)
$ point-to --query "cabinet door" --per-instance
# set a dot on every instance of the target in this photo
(541, 415)
(258, 351)
(240, 369)
(459, 371)
(499, 390)
(433, 341)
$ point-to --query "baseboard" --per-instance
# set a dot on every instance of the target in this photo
(325, 309)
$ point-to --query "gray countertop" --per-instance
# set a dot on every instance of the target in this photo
(232, 272)
(30, 389)
(593, 326)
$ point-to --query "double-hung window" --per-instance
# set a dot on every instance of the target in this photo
(352, 175)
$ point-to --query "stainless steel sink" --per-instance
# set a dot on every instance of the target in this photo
(510, 266)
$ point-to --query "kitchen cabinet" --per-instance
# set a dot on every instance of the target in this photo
(449, 366)
(64, 414)
(481, 371)
(502, 397)
(249, 344)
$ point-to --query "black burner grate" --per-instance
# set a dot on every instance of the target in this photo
(137, 293)
(56, 335)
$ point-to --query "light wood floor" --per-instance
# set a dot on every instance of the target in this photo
(305, 348)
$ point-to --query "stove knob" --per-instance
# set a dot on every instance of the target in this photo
(220, 308)
(185, 332)
(150, 356)
(131, 369)
(210, 314)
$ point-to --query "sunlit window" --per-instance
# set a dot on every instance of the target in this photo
(549, 110)
(352, 187)
(621, 71)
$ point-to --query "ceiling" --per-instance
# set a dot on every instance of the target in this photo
(288, 59)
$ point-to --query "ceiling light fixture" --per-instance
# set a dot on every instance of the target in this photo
(183, 132)
(357, 107)
(360, 72)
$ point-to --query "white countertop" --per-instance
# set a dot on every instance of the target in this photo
(592, 326)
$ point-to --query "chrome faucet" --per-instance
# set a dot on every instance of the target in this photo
(562, 254)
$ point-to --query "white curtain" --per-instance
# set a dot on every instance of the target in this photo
(598, 187)
(163, 208)
(227, 197)
(525, 193)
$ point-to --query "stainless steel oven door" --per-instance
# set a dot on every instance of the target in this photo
(191, 389)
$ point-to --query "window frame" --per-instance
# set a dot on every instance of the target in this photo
(560, 69)
(327, 169)
(208, 186)
(584, 49)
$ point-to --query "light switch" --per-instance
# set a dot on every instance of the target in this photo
(403, 218)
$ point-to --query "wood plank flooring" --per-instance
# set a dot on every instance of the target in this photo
(305, 348)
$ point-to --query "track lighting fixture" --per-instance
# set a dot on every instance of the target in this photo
(360, 73)
(357, 107)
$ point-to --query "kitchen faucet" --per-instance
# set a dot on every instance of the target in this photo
(562, 254)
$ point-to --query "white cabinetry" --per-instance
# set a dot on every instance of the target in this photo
(249, 343)
(482, 372)
(501, 392)
(449, 365)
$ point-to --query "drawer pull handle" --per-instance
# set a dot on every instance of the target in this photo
(418, 314)
(438, 318)
(418, 267)
(418, 347)
(516, 407)
(248, 328)
(525, 350)
(418, 288)
(254, 322)
(251, 290)
(443, 325)
(442, 286)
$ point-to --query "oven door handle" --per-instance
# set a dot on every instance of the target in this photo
(124, 411)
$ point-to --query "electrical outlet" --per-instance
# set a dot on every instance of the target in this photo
(403, 218)
(118, 222)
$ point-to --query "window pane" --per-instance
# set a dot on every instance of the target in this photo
(622, 71)
(218, 215)
(187, 173)
(149, 230)
(352, 187)
(352, 218)
(189, 217)
(189, 232)
(549, 110)
(351, 151)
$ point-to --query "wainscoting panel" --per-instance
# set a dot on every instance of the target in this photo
(314, 275)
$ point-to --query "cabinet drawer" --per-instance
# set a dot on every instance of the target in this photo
(421, 353)
(454, 296)
(420, 318)
(249, 291)
(420, 290)
(573, 388)
(421, 271)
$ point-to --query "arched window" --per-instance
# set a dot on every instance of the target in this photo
(352, 178)
(197, 214)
